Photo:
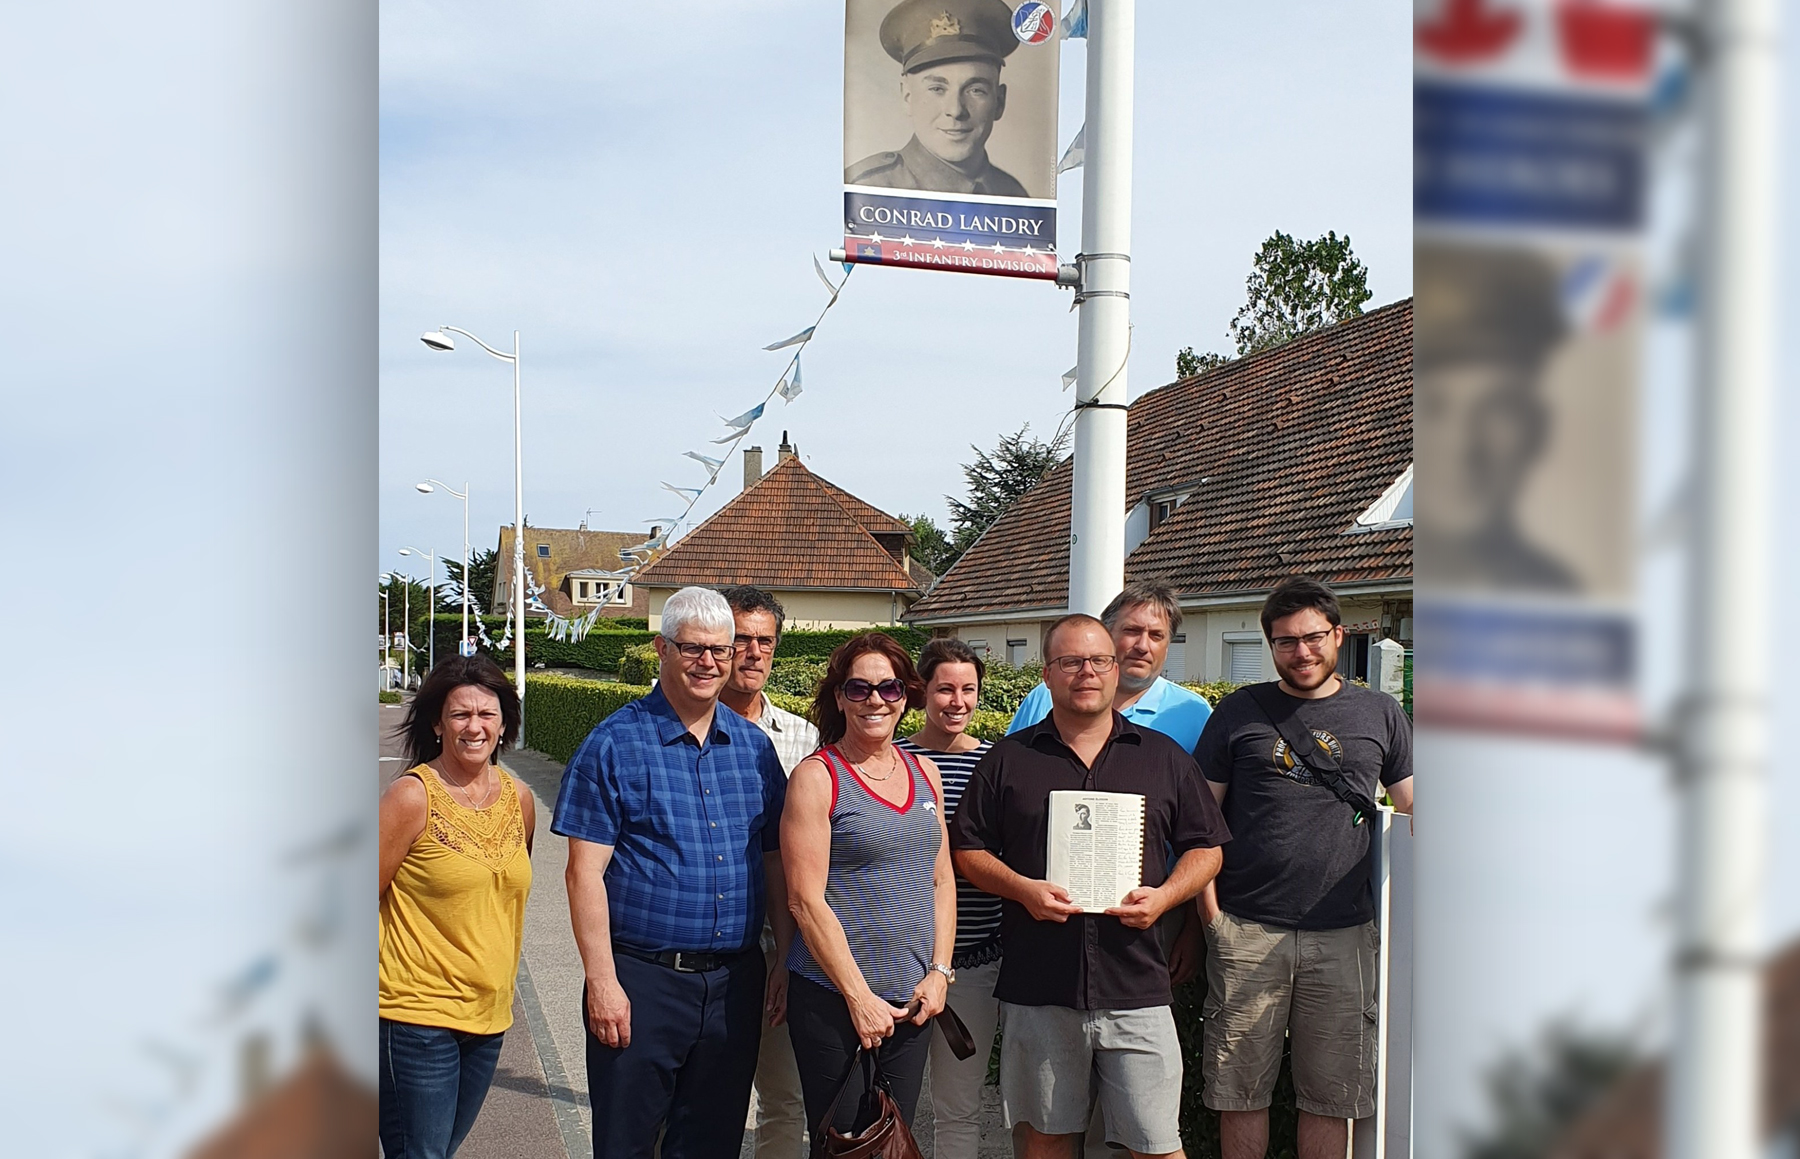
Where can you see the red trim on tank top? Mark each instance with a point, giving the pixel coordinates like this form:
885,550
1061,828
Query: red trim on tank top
911,788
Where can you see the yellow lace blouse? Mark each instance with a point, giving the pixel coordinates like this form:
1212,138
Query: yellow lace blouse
453,919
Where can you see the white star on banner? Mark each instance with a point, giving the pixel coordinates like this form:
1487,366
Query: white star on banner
968,246
876,238
1029,251
937,243
906,241
998,248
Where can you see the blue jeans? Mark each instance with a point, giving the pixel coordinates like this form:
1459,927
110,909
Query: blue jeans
433,1082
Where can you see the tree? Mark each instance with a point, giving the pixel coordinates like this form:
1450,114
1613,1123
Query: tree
483,567
1538,1091
996,481
931,547
1294,287
1188,364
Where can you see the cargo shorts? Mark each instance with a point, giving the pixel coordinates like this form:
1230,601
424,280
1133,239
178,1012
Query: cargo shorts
1317,987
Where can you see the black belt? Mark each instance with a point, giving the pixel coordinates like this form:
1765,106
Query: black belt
682,961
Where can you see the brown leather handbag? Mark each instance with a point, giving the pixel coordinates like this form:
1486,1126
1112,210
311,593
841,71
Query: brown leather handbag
885,1137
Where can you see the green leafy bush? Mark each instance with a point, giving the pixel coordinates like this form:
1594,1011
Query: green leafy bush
389,695
638,664
795,675
1214,691
1005,686
561,710
820,643
798,705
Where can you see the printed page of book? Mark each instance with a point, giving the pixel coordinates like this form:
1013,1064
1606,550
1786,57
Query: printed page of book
1096,846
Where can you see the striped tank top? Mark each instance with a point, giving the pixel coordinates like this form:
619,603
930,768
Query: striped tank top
977,913
879,882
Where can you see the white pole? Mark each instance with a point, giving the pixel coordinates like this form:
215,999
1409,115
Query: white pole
431,620
1715,1080
465,580
1097,508
406,611
387,657
518,548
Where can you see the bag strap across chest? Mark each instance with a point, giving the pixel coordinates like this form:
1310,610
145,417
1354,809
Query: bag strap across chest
1284,713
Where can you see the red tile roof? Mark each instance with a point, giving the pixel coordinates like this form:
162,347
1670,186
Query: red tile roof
1279,452
791,529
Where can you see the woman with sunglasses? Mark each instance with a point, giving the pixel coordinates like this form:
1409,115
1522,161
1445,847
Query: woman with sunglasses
952,674
870,884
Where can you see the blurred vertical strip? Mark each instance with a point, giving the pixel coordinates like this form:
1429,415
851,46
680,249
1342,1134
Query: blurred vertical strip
1715,1086
188,460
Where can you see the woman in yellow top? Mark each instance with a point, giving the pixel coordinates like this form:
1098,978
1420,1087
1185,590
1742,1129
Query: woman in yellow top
455,871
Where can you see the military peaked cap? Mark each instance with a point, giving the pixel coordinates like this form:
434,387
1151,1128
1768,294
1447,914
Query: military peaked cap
922,32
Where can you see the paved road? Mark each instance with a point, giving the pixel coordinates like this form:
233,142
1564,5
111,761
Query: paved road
538,1108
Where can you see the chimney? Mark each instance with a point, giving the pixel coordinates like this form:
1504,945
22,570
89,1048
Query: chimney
752,465
786,450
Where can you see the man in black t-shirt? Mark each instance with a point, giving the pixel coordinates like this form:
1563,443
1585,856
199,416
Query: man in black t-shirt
1290,932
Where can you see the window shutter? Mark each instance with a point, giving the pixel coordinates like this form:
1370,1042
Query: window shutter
1243,661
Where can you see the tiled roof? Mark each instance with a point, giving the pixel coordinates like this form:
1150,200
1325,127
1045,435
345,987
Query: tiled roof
318,1112
571,549
790,529
1279,452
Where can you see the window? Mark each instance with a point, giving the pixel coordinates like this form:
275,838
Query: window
1015,653
621,598
1176,667
543,551
979,646
1243,661
581,590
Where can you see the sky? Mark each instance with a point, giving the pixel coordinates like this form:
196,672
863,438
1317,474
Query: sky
642,200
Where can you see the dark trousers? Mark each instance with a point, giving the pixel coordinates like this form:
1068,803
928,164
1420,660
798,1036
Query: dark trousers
432,1085
687,1072
824,1039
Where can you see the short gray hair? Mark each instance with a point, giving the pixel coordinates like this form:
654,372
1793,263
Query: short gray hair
701,607
1136,595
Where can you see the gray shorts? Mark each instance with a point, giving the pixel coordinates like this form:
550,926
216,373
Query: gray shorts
1056,1062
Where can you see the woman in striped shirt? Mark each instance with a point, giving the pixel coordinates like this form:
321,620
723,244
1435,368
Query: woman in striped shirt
870,884
952,673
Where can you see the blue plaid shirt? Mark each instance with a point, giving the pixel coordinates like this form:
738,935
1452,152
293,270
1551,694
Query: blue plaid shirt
688,823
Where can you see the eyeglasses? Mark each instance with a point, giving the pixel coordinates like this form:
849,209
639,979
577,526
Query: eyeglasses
719,652
858,689
1312,640
763,643
1072,664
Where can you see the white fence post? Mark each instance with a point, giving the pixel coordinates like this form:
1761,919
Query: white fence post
1387,1134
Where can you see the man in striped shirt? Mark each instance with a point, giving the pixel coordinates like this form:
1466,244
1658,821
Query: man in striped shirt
780,1110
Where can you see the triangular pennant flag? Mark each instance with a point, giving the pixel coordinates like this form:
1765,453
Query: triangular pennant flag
744,420
1069,378
820,270
1076,154
694,491
711,464
795,340
789,390
1074,21
733,437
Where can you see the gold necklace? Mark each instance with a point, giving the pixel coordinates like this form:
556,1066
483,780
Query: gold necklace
465,791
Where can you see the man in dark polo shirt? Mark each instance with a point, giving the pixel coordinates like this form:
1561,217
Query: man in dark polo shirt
1084,998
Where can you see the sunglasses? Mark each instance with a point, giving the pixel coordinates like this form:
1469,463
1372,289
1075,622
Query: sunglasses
857,689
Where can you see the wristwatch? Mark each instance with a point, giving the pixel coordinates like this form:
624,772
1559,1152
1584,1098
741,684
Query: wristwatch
948,973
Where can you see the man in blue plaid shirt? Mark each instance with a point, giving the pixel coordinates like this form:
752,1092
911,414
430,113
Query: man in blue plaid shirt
672,807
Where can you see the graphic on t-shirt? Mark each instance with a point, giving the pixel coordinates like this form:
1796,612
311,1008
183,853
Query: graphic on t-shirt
1292,769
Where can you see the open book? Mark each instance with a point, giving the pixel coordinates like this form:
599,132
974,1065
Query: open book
1096,846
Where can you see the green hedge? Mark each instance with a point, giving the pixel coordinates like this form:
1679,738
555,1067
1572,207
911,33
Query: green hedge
561,710
639,664
820,643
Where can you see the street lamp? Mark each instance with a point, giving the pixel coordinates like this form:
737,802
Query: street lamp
440,339
387,659
431,614
463,647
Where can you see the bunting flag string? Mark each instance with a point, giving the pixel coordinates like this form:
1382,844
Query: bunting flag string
1076,154
1075,20
787,387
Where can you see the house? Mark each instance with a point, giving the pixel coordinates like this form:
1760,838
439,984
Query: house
572,567
1295,459
318,1112
1627,1123
831,559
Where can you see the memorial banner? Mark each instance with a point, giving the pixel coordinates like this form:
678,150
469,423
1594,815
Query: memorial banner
1530,139
950,135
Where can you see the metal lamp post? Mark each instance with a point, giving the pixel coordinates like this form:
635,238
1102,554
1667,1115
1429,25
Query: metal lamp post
426,488
439,339
431,626
387,658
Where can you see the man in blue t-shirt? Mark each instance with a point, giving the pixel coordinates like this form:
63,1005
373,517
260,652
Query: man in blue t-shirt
1143,619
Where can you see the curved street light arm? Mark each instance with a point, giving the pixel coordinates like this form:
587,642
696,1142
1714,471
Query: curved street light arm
497,354
447,487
